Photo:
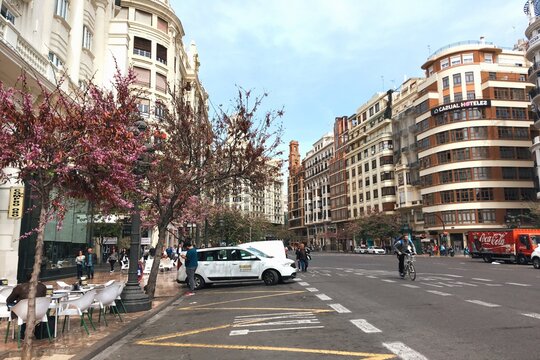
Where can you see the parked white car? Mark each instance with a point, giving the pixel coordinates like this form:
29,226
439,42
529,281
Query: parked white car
535,258
375,250
239,264
360,250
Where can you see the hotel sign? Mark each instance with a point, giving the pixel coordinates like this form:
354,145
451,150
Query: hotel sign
15,207
460,105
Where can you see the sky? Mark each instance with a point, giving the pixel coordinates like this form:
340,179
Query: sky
319,59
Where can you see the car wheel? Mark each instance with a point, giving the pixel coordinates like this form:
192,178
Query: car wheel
536,262
270,277
522,260
199,282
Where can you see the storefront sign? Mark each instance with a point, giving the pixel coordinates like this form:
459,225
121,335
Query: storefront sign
15,207
110,240
145,241
460,105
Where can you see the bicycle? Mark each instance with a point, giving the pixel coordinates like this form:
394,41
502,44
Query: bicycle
409,266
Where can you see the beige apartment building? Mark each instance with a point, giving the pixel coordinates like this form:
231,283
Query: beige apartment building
82,40
473,136
406,166
317,192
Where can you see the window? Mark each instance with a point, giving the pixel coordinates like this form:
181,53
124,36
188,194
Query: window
460,135
471,95
444,157
375,194
479,132
390,190
483,194
143,17
525,173
6,14
447,197
455,60
468,58
511,194
374,177
55,60
374,164
366,181
466,217
87,38
507,152
480,152
142,76
464,195
62,8
444,63
481,173
366,167
442,138
446,99
502,112
509,173
457,79
144,107
486,216
161,82
469,77
488,58
161,54
142,47
461,154
492,76
377,107
505,132
519,114
446,177
458,97
523,153
368,196
445,82
162,25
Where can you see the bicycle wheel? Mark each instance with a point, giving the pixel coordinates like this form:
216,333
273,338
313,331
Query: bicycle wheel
412,271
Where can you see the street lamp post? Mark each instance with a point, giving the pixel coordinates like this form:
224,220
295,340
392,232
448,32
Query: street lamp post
133,297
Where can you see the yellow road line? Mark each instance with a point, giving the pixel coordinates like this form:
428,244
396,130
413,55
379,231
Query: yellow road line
368,356
244,299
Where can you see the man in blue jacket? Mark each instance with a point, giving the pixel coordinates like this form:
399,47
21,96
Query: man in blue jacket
401,246
191,264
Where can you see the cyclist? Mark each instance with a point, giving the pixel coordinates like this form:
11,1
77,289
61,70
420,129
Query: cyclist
401,246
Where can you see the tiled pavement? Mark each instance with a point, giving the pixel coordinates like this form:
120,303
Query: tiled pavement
71,344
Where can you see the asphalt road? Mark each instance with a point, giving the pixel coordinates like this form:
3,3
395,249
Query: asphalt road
350,306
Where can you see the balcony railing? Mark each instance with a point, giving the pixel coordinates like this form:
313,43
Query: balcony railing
142,52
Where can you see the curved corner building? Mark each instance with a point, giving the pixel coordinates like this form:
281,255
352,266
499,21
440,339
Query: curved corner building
532,9
473,119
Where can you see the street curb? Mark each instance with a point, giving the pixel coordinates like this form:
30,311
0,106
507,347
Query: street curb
101,345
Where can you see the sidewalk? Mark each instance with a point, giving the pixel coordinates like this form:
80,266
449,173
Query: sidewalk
75,343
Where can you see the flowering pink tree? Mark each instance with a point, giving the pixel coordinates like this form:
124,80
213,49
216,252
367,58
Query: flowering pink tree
68,146
206,158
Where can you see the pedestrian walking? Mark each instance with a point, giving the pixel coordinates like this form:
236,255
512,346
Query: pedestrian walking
113,258
302,257
79,261
191,264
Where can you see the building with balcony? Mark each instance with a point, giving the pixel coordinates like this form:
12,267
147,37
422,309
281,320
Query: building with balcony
406,166
82,40
532,9
317,192
473,123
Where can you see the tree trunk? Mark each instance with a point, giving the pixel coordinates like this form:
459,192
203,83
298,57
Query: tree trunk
26,353
152,277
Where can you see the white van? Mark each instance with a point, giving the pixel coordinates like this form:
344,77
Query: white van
239,264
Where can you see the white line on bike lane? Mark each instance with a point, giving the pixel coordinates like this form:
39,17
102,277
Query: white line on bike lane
366,327
303,283
483,303
403,351
438,293
339,308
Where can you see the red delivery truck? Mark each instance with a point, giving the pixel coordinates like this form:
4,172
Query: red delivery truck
514,245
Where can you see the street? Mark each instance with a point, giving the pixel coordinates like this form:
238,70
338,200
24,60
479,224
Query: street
354,306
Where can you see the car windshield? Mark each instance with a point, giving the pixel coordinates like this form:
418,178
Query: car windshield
258,252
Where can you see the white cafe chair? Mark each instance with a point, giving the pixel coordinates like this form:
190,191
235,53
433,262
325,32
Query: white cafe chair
119,298
79,307
109,283
104,299
63,285
5,314
21,310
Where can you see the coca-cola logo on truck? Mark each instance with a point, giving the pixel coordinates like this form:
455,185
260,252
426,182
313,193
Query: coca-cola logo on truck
495,239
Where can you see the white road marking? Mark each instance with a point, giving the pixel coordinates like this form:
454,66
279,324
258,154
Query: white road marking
428,284
480,279
403,351
493,284
323,297
533,315
517,284
410,286
297,279
274,315
389,281
464,283
366,327
456,276
478,302
304,283
339,308
371,277
438,293
312,289
247,331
